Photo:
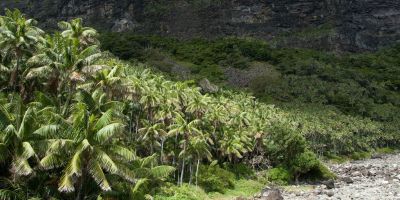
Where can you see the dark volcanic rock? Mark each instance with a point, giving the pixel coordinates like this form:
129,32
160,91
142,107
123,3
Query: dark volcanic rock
330,184
352,25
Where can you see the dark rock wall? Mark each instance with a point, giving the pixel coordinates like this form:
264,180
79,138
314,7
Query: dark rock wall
357,25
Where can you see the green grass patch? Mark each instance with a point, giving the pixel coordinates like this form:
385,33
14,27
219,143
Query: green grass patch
243,188
385,150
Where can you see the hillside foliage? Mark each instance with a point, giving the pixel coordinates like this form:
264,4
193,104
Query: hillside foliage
79,123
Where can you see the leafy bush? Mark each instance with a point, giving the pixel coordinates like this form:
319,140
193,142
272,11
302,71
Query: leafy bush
283,144
360,155
215,179
241,171
304,163
279,175
184,192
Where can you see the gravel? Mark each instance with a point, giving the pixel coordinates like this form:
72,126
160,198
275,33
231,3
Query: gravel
372,179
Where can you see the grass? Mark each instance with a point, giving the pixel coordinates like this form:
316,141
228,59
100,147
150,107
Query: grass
243,188
385,150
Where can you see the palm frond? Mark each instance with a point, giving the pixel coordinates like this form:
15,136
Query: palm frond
123,152
66,183
26,124
51,161
97,173
104,120
7,194
22,167
48,131
108,131
138,185
105,161
148,160
162,171
39,72
75,165
28,150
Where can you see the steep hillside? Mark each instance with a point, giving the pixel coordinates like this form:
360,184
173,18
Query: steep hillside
348,25
81,116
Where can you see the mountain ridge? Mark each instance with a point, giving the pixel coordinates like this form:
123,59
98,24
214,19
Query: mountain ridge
354,26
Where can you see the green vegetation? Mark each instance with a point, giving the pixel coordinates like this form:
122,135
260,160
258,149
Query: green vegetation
343,103
279,175
78,123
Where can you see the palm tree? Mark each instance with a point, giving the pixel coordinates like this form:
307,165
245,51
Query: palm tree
198,105
199,147
150,100
186,130
146,174
19,38
152,133
19,133
63,64
90,143
74,30
109,80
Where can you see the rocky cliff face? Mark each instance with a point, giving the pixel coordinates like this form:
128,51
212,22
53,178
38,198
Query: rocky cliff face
351,25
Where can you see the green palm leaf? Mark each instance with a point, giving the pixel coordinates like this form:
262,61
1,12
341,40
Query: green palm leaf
105,161
108,131
97,173
162,171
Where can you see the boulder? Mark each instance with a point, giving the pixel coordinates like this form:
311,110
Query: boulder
347,180
329,193
271,194
207,87
330,184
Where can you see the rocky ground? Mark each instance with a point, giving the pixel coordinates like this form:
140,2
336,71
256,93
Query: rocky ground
373,179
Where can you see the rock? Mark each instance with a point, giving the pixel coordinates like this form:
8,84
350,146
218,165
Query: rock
123,25
330,184
271,194
356,25
372,172
364,172
356,173
207,87
377,156
347,180
318,192
329,193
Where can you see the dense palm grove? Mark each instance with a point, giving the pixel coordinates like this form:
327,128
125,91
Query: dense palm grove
77,123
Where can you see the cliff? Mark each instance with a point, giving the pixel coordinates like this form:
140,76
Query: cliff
350,25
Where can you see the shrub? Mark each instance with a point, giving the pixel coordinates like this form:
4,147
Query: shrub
241,170
184,192
304,163
279,176
283,144
360,155
215,179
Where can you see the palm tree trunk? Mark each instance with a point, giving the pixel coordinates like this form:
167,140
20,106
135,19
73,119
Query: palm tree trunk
69,98
191,172
14,74
182,172
80,194
197,170
162,152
